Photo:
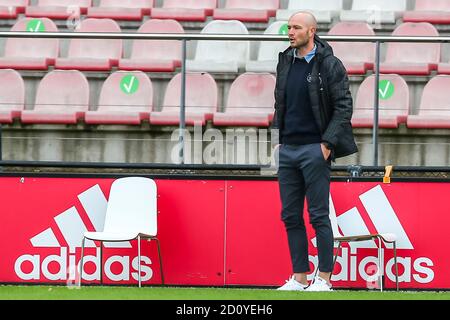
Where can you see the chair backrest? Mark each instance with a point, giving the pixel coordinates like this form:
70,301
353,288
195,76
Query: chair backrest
268,50
158,49
66,3
33,48
324,5
414,52
132,206
12,90
63,90
224,50
379,5
126,90
436,97
353,51
191,4
127,3
201,93
253,4
432,5
252,92
14,3
96,48
393,95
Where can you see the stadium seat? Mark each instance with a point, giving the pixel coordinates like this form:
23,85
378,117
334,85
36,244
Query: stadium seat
62,97
250,101
12,95
185,10
121,9
131,214
9,9
31,54
58,9
155,55
374,11
201,100
93,54
412,58
434,109
247,10
432,11
393,102
221,56
268,50
323,10
358,57
125,98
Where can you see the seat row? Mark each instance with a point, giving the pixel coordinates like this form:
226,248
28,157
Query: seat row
376,11
211,56
127,98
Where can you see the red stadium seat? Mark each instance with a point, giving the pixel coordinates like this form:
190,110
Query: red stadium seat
121,9
432,11
9,9
250,101
58,9
358,57
412,58
93,54
12,95
201,100
434,110
31,54
155,55
393,102
125,98
247,10
185,10
62,97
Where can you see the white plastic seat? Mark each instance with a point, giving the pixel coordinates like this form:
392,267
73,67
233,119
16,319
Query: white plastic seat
221,56
268,50
386,238
131,214
58,9
9,9
374,11
323,10
432,11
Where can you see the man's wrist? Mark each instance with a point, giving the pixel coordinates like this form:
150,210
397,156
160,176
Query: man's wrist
328,145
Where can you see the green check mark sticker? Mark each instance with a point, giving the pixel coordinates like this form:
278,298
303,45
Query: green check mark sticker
35,25
386,89
283,30
129,84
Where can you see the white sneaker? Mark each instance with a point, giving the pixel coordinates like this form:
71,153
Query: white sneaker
319,284
292,285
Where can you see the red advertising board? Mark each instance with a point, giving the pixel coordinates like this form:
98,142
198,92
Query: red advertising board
216,232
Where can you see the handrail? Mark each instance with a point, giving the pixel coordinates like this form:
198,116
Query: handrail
198,36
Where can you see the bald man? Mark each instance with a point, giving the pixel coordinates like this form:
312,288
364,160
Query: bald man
313,109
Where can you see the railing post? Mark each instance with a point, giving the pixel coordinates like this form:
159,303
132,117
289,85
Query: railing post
376,105
182,100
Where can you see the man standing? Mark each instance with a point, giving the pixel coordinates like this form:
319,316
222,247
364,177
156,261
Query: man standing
313,109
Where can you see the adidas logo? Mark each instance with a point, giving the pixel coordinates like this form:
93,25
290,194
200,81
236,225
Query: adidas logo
72,226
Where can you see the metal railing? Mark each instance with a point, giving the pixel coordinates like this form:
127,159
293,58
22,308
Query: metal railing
229,37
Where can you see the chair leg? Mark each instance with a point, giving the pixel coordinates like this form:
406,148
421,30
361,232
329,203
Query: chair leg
396,265
380,264
81,261
335,258
139,260
101,262
160,261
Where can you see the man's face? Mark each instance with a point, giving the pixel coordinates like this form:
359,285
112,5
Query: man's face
299,32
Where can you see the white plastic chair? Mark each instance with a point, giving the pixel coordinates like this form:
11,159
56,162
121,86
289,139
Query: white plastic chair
381,237
131,214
